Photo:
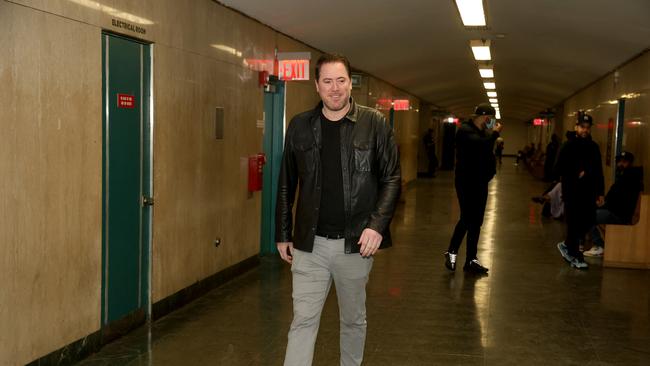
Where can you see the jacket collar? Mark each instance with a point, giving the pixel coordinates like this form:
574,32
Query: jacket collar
572,135
470,123
352,115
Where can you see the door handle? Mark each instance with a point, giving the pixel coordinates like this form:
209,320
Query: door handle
146,201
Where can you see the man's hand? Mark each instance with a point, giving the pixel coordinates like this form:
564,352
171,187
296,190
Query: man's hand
600,201
369,241
498,127
286,251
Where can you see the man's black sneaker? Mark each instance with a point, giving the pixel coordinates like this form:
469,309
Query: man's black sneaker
474,266
579,263
450,261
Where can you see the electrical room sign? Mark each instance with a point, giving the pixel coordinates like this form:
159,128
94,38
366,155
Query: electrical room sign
125,101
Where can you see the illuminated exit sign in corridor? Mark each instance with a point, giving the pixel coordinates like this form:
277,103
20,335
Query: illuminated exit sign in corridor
293,65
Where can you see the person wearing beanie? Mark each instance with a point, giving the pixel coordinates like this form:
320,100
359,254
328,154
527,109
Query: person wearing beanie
475,167
620,202
579,166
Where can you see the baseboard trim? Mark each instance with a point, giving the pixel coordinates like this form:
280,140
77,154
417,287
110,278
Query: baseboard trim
84,347
200,288
71,353
123,326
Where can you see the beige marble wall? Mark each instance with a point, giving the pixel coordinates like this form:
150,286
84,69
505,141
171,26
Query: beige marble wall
50,191
360,93
631,81
200,183
406,124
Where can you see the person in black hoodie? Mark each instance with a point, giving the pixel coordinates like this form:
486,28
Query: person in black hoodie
549,162
620,202
475,167
580,169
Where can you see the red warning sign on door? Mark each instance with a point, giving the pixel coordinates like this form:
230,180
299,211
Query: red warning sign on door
125,101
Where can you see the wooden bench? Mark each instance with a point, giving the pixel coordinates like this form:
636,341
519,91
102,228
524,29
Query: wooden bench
628,246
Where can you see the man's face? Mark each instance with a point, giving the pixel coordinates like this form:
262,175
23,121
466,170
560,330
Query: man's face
622,164
583,130
334,86
482,121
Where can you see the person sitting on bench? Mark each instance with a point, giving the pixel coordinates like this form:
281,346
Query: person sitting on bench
620,202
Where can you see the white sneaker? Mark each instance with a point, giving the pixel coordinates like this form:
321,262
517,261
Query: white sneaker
595,251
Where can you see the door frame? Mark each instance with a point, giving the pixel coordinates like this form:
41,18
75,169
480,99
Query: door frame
273,145
146,176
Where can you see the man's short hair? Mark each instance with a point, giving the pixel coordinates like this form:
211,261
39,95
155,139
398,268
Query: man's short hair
329,58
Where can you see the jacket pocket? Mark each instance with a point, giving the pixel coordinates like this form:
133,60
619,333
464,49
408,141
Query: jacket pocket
362,157
305,157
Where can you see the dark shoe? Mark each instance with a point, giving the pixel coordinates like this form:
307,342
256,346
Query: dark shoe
579,263
474,266
450,261
564,251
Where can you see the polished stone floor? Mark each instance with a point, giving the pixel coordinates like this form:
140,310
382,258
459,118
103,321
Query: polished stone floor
532,309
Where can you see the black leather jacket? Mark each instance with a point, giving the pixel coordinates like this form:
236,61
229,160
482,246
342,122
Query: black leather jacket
371,177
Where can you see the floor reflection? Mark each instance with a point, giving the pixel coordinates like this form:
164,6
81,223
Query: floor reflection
532,309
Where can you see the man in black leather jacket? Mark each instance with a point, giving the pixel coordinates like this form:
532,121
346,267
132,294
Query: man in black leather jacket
475,167
579,166
344,159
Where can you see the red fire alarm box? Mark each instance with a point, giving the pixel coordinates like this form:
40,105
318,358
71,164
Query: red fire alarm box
255,168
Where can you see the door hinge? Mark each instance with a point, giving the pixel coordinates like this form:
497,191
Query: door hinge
146,201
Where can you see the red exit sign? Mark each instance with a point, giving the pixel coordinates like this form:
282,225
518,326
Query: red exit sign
401,104
293,69
293,65
539,122
125,101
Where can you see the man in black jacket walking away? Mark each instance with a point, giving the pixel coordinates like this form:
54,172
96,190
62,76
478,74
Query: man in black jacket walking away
475,167
579,166
344,159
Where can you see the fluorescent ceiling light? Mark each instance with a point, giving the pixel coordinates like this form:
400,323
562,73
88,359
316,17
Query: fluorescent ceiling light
227,49
481,49
490,85
492,94
630,95
471,12
495,105
486,73
494,100
498,114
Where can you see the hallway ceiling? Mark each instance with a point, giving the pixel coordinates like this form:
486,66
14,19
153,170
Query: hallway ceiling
550,49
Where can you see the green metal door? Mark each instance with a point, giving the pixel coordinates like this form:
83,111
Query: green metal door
273,146
126,179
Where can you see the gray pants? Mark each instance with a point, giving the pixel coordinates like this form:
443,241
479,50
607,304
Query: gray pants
312,277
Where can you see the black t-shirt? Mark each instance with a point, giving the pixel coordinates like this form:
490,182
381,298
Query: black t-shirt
331,219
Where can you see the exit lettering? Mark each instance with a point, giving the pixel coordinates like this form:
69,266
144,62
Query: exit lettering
293,70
